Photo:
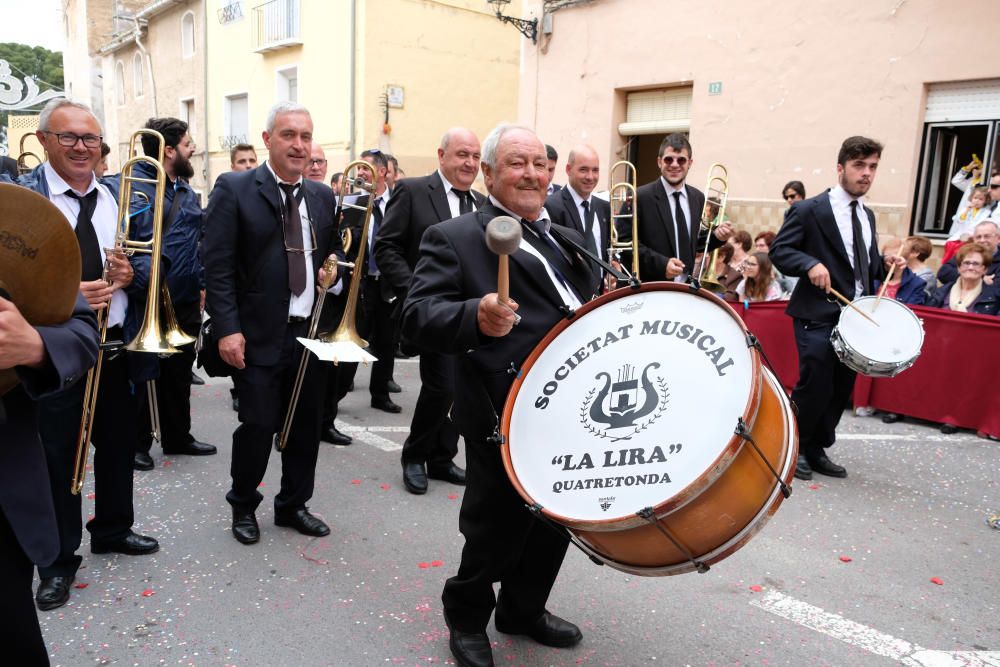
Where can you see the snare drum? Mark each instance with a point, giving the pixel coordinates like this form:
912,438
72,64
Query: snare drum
885,350
647,426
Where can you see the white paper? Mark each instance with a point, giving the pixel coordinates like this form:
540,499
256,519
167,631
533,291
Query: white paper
337,352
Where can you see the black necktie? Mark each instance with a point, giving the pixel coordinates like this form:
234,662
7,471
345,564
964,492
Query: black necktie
551,251
683,237
91,255
860,250
588,232
293,239
464,201
376,223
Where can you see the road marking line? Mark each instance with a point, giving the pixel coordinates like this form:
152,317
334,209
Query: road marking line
349,428
369,438
871,640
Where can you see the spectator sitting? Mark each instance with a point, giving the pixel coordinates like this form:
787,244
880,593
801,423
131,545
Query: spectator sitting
987,233
970,293
793,191
758,282
916,249
906,288
741,242
763,244
728,277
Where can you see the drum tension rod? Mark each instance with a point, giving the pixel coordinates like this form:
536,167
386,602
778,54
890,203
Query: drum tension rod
496,439
536,511
744,432
567,312
514,370
649,515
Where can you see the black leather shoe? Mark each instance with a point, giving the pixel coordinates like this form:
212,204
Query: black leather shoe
825,466
393,387
53,592
335,437
142,461
130,545
802,469
303,521
452,474
891,418
196,379
948,429
386,405
415,478
350,387
471,649
549,630
193,448
245,528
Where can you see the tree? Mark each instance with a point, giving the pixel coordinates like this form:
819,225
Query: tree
36,61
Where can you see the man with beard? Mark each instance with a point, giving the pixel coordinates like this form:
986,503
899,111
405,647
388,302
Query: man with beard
831,241
182,273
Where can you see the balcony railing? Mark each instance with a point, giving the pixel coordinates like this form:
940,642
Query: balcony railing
276,25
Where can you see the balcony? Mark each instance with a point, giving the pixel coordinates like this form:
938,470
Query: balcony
276,25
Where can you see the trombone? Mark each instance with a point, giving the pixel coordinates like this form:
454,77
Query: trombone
623,201
712,215
346,331
151,336
23,156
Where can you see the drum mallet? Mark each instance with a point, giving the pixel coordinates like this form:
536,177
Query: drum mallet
503,236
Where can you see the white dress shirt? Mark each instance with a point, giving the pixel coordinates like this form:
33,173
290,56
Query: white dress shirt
105,221
565,293
840,201
454,202
300,305
596,231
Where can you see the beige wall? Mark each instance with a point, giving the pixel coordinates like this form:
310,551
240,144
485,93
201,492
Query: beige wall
796,81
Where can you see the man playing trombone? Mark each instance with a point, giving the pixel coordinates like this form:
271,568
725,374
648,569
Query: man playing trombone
71,136
267,233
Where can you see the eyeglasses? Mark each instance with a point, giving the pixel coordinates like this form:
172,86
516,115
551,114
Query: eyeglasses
68,139
971,264
994,186
303,251
316,163
791,195
670,159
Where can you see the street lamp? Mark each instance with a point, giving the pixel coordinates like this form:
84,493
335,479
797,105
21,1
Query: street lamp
527,28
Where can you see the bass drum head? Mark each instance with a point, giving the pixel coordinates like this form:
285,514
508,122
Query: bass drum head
632,404
896,340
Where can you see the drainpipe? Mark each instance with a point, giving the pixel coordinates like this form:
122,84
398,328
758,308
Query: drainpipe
206,170
149,63
354,65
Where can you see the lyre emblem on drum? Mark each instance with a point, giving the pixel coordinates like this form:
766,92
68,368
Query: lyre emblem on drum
622,403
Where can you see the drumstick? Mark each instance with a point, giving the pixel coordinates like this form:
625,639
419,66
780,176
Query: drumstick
851,305
503,236
885,285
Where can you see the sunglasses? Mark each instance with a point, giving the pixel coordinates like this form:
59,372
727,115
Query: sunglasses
994,186
670,159
791,195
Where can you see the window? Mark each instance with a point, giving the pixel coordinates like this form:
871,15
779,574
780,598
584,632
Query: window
187,114
237,114
287,85
137,74
120,82
187,35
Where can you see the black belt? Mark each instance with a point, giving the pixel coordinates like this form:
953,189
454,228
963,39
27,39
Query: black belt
295,319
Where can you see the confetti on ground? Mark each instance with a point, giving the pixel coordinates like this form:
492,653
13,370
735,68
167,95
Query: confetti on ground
452,496
355,481
423,566
386,487
937,580
80,585
846,559
756,588
91,496
437,563
814,486
147,593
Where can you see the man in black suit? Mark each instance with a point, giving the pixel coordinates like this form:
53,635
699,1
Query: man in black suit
268,232
452,308
46,360
831,240
553,159
416,204
670,233
8,166
574,207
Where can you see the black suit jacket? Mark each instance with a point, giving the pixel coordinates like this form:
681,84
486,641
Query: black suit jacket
563,211
8,165
71,349
656,228
415,205
454,272
246,266
810,236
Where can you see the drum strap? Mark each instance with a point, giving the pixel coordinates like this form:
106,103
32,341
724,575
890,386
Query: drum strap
744,432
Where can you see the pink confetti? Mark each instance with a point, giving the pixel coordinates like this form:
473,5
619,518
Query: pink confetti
452,496
355,481
813,487
80,585
846,559
756,588
437,563
423,566
167,463
937,580
386,487
261,485
147,593
91,496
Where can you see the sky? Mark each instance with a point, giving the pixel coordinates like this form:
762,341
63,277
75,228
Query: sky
32,22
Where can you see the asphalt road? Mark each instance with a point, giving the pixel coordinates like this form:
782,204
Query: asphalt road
894,565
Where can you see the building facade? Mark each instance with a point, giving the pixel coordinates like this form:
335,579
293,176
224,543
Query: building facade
771,92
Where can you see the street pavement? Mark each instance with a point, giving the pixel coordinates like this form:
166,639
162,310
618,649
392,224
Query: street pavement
893,565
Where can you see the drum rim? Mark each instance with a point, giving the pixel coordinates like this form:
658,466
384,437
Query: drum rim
700,483
876,367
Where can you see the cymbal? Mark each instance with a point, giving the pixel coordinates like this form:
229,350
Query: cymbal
39,261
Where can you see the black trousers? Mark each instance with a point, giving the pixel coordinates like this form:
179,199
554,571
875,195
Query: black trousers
114,438
20,634
823,390
433,437
503,542
264,397
173,389
338,378
377,326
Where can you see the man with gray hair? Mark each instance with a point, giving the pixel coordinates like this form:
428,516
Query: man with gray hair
452,308
71,136
261,279
987,233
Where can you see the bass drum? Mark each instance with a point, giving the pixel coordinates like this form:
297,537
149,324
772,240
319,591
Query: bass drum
647,427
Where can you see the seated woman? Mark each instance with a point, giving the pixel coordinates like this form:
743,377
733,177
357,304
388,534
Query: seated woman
762,243
728,277
906,287
915,251
969,294
758,282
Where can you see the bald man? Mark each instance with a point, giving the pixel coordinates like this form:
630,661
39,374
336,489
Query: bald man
574,207
316,165
416,204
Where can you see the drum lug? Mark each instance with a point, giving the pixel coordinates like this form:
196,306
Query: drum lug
744,432
497,439
514,370
567,312
752,341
